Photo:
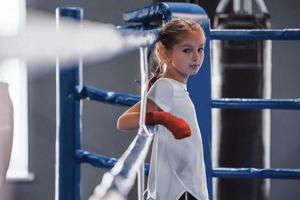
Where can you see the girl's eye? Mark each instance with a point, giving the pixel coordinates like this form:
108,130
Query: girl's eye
186,50
200,50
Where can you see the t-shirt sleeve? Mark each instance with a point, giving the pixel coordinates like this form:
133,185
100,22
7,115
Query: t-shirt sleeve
161,93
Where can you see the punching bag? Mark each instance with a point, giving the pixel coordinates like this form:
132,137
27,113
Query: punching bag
6,130
242,70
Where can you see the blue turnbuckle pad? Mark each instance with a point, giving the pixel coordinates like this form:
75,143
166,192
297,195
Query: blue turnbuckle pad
163,12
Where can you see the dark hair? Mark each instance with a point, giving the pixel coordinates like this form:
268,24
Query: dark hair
170,34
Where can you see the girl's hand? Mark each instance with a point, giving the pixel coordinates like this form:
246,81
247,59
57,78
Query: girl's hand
178,127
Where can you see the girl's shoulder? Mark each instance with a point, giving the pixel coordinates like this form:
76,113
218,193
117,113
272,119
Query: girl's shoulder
162,87
164,82
172,83
162,93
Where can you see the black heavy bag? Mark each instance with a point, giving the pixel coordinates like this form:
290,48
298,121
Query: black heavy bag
242,69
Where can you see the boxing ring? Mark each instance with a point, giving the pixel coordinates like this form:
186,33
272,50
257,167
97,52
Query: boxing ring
71,93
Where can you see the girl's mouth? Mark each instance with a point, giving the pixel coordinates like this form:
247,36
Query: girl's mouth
194,66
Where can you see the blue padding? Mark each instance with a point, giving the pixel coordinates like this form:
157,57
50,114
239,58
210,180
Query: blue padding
123,99
255,34
237,103
100,161
157,11
256,173
161,12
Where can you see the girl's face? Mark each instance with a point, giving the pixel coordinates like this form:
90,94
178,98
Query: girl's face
186,57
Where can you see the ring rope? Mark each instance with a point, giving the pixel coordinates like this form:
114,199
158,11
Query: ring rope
100,95
126,99
105,162
241,103
255,34
255,173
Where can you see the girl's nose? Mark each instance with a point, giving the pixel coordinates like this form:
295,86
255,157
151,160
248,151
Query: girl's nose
196,56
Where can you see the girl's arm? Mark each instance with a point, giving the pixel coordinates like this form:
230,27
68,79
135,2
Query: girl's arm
129,120
177,126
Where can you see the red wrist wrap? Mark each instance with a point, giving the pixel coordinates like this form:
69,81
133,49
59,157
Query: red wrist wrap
177,126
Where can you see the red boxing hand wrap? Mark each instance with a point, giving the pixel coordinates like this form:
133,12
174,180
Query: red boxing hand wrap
178,127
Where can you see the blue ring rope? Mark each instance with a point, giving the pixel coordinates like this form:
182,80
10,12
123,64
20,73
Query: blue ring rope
255,34
105,162
239,103
100,95
256,173
100,161
125,99
95,160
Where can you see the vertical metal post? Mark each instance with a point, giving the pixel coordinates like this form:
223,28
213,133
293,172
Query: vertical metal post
68,111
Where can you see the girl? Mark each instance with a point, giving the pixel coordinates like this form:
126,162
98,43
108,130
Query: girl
177,170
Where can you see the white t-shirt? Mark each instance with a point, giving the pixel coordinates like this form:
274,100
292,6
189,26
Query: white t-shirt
176,165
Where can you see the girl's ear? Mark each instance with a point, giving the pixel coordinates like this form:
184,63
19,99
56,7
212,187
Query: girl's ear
163,53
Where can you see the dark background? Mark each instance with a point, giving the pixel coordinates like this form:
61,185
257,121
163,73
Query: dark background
99,121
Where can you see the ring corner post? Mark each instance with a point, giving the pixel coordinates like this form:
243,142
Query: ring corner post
200,88
68,117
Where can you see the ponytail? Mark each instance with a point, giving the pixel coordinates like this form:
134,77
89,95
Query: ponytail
157,75
158,65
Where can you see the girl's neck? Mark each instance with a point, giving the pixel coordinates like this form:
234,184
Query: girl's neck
175,75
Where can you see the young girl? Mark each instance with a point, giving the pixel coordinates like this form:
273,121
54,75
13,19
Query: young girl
177,170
